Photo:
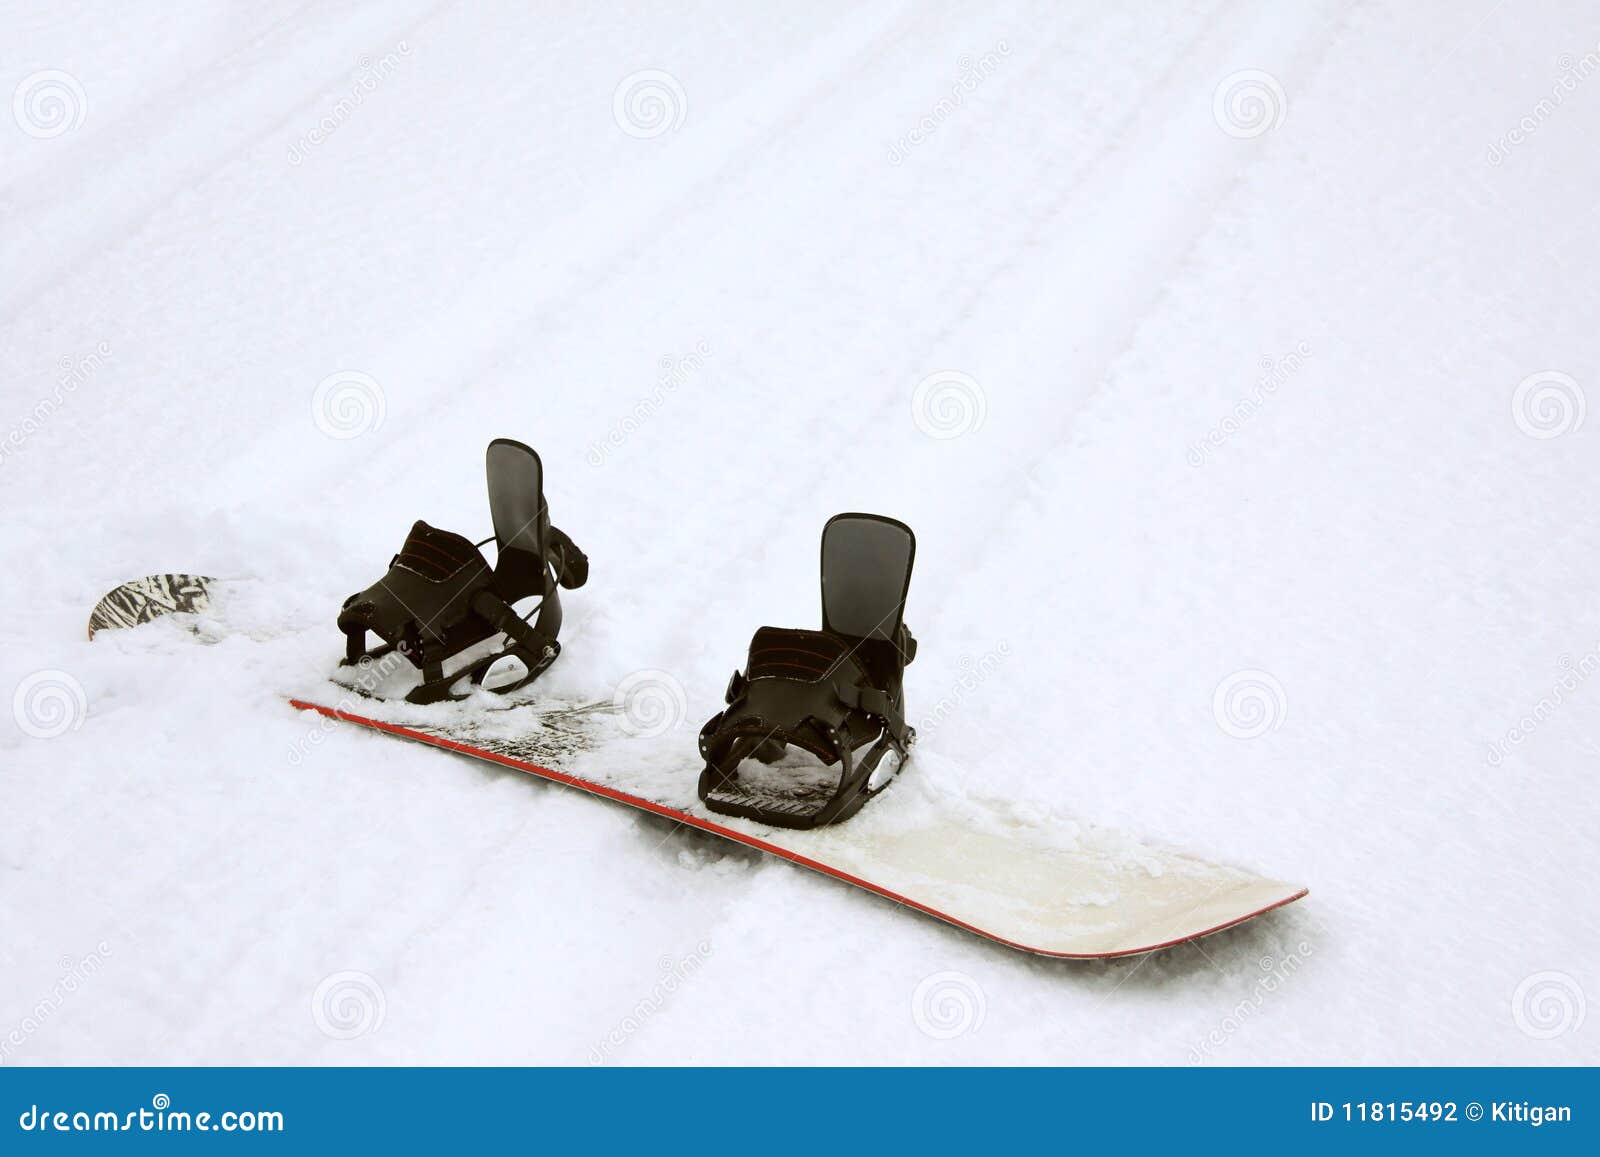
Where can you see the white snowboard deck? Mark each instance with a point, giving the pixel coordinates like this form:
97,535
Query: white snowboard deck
1051,887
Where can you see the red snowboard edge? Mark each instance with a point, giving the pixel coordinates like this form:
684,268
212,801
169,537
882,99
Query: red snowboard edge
753,841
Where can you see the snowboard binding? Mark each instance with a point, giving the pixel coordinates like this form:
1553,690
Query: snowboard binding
834,694
441,601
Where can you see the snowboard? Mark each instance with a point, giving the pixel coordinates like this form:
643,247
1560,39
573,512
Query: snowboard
1054,888
151,597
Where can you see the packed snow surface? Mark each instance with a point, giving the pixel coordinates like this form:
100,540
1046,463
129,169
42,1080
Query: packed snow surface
1232,363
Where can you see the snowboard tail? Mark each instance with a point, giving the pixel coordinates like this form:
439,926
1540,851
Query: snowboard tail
1092,896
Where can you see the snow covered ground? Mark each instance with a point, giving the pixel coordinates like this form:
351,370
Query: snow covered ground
1231,362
